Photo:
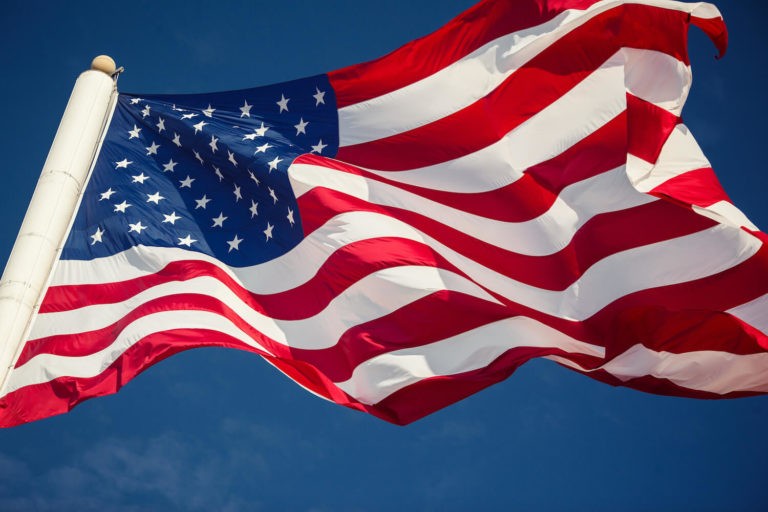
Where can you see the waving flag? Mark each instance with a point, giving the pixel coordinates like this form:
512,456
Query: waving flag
400,234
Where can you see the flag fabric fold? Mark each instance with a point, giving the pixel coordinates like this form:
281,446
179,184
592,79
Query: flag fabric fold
397,235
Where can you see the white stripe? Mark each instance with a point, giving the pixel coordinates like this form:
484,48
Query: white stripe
665,263
376,295
702,370
703,10
726,213
46,367
596,100
284,273
464,82
669,262
453,87
679,155
546,234
588,107
379,377
657,78
754,312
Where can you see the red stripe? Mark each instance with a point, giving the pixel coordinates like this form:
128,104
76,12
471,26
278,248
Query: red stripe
649,128
538,84
600,151
467,32
716,31
699,187
429,395
606,148
603,235
343,267
532,194
90,342
685,309
440,315
61,395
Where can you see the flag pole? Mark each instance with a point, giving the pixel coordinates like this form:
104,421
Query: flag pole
52,207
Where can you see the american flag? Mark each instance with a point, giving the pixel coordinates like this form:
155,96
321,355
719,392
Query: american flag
400,234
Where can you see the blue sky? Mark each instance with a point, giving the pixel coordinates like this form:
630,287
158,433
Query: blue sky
222,430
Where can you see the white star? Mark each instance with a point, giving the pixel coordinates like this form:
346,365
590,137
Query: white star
254,178
254,209
154,198
217,172
257,132
152,150
122,206
261,131
107,194
202,202
272,195
245,110
268,231
145,112
137,227
209,111
199,158
141,178
170,165
263,148
319,147
187,240
219,221
123,164
234,244
134,101
187,116
96,237
319,97
231,158
283,103
177,139
273,164
187,182
160,125
301,127
213,145
134,133
290,216
177,109
172,218
199,126
238,195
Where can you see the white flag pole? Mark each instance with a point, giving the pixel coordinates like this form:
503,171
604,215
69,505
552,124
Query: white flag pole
52,207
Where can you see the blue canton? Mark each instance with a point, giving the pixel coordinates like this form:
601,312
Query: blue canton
204,172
